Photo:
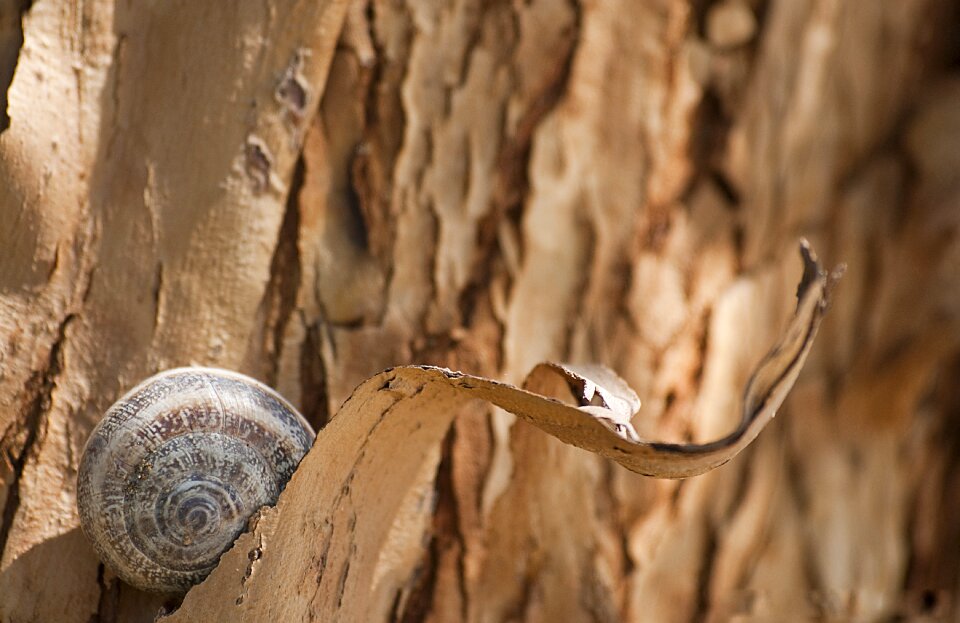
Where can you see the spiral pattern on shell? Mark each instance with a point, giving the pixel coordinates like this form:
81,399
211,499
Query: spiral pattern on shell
173,472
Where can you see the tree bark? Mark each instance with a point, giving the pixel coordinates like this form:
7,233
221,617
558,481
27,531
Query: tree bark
311,192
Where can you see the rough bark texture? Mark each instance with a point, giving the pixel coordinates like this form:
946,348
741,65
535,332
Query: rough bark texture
310,192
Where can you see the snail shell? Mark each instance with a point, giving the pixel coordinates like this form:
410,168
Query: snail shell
173,472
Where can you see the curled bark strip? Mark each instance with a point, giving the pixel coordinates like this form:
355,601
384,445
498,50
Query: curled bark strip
339,539
601,420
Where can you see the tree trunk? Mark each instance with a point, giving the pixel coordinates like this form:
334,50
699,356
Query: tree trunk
311,192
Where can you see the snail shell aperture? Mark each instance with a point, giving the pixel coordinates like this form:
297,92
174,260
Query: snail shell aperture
173,472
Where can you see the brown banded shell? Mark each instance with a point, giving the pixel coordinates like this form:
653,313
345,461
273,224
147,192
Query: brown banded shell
173,472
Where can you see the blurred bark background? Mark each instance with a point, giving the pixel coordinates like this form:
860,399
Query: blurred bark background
312,191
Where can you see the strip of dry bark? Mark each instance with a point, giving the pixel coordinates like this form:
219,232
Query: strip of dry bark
342,537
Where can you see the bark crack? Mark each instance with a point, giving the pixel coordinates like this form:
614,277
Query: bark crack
44,381
513,167
447,535
254,556
314,395
710,549
11,39
280,296
109,598
157,297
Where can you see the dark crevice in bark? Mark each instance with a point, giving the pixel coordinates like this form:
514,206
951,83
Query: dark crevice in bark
357,224
579,314
595,600
446,537
286,264
698,10
655,228
314,397
371,172
726,188
109,598
11,42
42,384
706,574
513,165
344,576
455,537
761,12
678,488
740,488
703,348
430,209
609,506
280,297
157,296
527,588
795,478
707,148
473,36
797,490
414,606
